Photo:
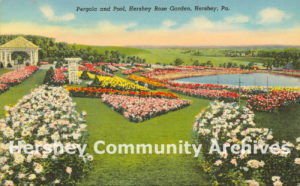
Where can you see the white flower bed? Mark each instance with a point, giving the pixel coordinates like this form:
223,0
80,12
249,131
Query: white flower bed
225,123
45,116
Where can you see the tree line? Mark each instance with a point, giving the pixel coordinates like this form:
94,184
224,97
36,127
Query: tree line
51,51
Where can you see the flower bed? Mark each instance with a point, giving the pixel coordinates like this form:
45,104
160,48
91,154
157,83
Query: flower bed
59,78
45,116
91,68
17,76
97,92
197,85
137,69
3,88
138,109
152,83
232,125
112,68
273,101
207,93
117,84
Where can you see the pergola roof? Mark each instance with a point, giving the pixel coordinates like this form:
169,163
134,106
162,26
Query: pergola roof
19,42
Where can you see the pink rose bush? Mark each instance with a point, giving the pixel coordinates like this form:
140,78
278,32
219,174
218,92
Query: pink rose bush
112,68
3,88
17,76
228,124
273,101
59,78
137,69
138,109
45,116
207,93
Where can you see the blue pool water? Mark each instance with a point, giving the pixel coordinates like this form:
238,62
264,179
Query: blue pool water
254,79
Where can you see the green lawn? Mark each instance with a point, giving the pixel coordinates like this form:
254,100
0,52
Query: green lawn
111,127
4,70
15,93
284,124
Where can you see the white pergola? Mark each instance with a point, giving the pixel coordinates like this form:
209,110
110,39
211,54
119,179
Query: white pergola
16,45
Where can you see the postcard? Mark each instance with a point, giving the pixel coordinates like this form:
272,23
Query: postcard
140,92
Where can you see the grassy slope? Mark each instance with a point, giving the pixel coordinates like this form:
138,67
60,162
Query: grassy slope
15,93
167,56
123,50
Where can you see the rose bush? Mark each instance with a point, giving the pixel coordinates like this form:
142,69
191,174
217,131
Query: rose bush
93,92
137,69
272,101
3,88
59,78
229,124
207,93
17,76
138,109
45,116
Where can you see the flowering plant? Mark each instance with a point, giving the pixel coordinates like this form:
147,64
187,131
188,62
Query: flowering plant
59,78
116,83
45,116
97,92
137,69
142,108
3,88
273,101
233,126
207,93
153,83
17,76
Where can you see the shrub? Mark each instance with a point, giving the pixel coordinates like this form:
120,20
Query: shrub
26,122
85,75
233,125
9,65
49,76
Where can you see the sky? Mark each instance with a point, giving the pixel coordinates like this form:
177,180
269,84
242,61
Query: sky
247,22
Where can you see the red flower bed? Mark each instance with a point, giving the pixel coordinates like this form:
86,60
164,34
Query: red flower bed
142,108
207,93
91,68
272,101
59,77
137,69
3,88
17,76
97,92
196,85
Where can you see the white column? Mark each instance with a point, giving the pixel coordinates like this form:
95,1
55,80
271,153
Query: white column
36,57
31,58
5,58
9,58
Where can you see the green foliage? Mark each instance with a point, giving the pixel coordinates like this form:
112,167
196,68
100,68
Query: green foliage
49,76
85,76
59,64
178,61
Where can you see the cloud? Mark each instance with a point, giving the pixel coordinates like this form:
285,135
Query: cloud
111,34
237,19
168,23
272,15
50,15
204,24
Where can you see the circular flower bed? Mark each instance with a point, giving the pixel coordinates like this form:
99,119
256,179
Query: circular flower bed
230,125
45,116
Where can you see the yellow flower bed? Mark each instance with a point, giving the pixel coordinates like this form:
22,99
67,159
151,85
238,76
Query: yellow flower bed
119,83
275,88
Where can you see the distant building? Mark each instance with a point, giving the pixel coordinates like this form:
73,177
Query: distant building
289,66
